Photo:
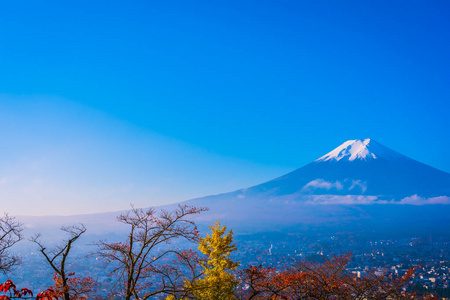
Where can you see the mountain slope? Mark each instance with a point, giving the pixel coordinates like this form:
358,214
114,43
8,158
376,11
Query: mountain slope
348,183
372,170
359,186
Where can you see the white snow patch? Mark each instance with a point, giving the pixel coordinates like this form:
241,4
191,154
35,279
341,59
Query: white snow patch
353,149
366,149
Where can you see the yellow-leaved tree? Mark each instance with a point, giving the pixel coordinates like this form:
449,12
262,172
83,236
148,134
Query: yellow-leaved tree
218,282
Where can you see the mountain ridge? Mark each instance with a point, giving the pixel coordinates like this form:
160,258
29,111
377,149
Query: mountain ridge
386,191
338,191
388,173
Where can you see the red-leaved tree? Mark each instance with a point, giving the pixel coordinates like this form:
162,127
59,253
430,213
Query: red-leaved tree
9,288
67,286
323,281
78,288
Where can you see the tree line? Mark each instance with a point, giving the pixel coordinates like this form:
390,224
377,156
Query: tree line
146,265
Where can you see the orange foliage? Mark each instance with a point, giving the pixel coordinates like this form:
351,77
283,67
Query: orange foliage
79,288
325,280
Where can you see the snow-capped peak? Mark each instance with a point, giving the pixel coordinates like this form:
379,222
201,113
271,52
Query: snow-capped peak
352,149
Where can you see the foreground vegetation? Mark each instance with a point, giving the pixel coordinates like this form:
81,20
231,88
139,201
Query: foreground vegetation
146,265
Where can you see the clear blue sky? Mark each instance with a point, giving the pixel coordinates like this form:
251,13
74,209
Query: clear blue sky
106,103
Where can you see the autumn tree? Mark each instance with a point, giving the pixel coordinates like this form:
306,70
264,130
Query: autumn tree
10,234
12,292
269,283
80,288
218,282
184,270
137,261
67,286
323,280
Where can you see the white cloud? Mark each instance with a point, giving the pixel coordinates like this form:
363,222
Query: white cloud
417,200
322,184
358,183
347,199
364,200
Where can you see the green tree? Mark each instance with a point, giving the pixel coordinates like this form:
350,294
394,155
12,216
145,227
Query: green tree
218,282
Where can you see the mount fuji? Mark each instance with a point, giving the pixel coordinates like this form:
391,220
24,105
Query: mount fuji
360,185
368,169
359,181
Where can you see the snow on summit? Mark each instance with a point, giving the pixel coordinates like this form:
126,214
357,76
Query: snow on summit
358,149
352,149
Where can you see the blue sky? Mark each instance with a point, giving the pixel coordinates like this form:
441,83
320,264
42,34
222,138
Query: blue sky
108,103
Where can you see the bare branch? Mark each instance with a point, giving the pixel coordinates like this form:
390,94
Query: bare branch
10,234
136,260
57,257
